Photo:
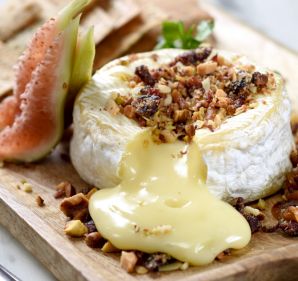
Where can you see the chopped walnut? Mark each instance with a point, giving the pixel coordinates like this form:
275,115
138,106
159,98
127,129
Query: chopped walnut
206,68
181,115
75,207
64,189
291,214
94,240
259,79
128,261
129,111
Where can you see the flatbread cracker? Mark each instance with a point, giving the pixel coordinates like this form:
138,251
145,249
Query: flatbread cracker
7,56
102,27
16,15
109,16
122,39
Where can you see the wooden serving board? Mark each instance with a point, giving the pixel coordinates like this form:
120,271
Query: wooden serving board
40,229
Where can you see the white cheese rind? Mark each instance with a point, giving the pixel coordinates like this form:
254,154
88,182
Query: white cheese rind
246,157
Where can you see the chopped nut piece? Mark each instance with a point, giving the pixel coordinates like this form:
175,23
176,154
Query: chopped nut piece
143,72
129,111
259,79
64,189
27,187
39,201
141,269
75,228
251,211
181,115
75,207
291,214
108,247
167,136
206,68
94,239
128,261
164,89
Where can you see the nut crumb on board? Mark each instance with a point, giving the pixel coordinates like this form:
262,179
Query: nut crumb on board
75,228
128,261
94,239
75,207
39,201
64,189
108,247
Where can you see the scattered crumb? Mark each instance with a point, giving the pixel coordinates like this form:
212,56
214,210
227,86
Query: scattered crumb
128,261
75,228
141,269
108,247
27,187
39,201
64,189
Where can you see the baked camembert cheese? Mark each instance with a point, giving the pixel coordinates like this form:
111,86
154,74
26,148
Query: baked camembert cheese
166,135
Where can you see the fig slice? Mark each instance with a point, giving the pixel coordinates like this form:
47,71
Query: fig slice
32,120
82,70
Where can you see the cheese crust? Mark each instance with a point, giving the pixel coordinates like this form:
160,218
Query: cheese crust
247,156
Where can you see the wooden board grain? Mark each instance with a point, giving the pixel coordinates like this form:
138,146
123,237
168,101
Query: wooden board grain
268,256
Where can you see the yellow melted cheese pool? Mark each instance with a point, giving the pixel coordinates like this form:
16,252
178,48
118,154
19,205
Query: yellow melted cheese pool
163,205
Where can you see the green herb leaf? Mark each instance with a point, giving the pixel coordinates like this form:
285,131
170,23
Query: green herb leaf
174,35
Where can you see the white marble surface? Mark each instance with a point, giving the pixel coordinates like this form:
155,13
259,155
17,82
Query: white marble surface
277,18
20,262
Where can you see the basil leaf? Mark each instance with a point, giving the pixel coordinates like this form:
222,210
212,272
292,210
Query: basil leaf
174,35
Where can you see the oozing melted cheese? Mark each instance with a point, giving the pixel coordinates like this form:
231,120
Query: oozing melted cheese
163,205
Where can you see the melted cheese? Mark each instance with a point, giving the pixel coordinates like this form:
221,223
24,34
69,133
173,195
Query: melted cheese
163,205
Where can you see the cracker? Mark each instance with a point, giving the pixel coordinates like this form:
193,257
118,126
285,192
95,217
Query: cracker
122,39
16,15
110,16
102,27
7,55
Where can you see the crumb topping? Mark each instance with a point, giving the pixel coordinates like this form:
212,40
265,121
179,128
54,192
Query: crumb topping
198,89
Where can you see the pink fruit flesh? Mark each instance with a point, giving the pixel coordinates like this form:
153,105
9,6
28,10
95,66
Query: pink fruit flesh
35,52
36,123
